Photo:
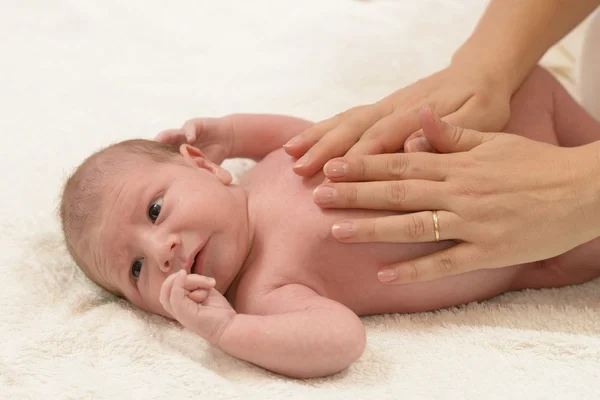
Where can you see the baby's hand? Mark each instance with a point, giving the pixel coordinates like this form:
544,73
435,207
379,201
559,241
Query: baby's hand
196,304
213,136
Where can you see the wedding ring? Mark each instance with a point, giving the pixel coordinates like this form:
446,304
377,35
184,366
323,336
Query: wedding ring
436,226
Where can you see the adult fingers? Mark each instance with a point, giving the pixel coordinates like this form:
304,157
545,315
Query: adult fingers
455,260
388,134
385,167
448,138
300,144
339,139
406,195
415,227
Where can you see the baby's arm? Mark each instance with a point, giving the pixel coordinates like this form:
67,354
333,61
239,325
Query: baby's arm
236,135
256,135
298,333
303,335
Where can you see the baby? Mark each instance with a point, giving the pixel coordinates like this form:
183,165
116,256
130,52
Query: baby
252,267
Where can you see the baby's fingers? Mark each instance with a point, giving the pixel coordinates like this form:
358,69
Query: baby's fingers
165,293
192,129
195,281
199,295
173,137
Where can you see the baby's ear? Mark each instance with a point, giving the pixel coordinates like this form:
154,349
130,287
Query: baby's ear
194,157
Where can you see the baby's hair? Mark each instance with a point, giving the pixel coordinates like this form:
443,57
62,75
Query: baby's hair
82,193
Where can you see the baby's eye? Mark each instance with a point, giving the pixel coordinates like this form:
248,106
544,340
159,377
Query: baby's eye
154,209
136,268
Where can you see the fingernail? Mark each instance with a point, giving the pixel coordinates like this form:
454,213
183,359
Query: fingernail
324,195
387,275
296,140
343,230
418,144
302,161
335,169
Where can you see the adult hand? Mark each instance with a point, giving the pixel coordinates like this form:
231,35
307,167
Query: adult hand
458,93
503,198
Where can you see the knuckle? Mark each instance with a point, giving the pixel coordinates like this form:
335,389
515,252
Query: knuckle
353,122
396,166
456,133
374,132
415,229
362,167
371,231
444,264
350,195
347,113
468,190
395,192
412,272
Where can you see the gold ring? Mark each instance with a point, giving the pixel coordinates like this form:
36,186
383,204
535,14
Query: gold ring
436,226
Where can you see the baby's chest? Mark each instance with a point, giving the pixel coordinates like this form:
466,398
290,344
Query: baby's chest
312,259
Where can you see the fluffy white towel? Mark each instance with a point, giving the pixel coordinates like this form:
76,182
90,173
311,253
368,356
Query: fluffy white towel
77,75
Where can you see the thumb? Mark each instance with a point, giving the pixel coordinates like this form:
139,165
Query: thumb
447,138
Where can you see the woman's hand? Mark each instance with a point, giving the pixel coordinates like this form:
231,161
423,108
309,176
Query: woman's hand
503,198
459,93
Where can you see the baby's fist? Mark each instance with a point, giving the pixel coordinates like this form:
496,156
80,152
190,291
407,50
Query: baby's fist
196,304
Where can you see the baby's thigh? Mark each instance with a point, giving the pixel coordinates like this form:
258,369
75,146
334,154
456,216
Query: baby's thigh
531,108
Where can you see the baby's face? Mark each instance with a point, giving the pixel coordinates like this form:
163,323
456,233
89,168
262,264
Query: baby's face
158,218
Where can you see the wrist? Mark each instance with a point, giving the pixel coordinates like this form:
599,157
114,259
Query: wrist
585,186
595,185
501,73
223,329
228,143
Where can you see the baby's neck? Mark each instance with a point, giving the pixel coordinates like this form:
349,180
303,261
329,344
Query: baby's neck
247,232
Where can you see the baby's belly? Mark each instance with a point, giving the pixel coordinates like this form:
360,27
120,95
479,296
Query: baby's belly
349,276
299,232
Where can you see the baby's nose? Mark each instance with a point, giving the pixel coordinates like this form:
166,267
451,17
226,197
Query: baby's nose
166,259
163,246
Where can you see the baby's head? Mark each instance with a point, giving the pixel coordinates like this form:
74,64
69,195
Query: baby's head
138,211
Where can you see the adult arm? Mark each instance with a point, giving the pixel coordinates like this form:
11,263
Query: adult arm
474,91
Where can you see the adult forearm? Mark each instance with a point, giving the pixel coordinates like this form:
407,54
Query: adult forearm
512,36
304,344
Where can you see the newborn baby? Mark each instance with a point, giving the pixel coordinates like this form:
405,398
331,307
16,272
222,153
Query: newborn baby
252,267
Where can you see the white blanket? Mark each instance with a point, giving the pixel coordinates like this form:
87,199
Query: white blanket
77,75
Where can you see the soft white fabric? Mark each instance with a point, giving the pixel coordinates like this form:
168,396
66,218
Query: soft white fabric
77,75
589,68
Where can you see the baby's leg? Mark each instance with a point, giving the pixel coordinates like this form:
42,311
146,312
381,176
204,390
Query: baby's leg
543,110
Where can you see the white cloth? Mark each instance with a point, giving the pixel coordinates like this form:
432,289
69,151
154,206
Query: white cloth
589,68
76,75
